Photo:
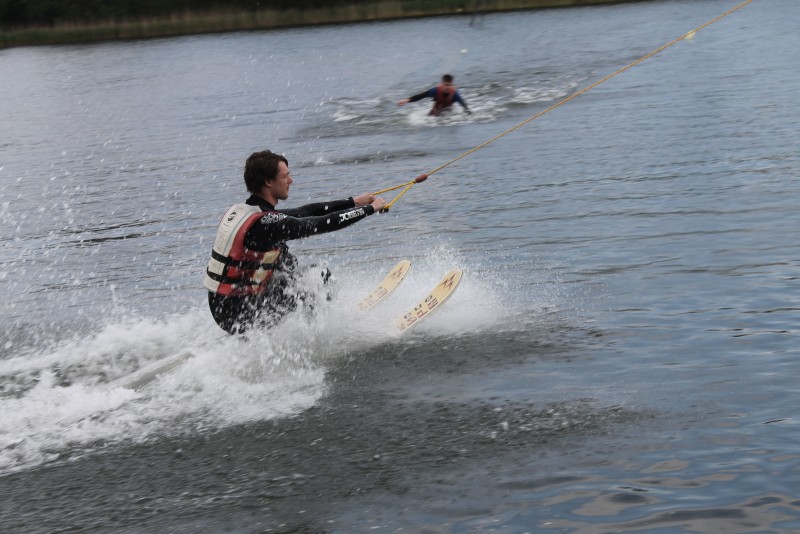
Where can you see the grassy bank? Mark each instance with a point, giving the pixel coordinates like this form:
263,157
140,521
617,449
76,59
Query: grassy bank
224,21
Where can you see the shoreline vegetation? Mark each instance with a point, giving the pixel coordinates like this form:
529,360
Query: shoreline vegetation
192,22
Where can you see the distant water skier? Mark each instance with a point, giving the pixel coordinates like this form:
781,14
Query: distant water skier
444,96
251,276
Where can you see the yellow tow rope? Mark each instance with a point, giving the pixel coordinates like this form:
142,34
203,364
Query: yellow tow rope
423,177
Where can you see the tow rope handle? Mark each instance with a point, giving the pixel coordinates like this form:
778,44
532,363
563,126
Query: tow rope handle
419,179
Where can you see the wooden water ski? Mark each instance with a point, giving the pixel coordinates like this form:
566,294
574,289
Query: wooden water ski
147,374
433,300
388,285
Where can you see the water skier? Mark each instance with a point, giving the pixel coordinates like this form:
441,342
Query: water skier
251,274
444,96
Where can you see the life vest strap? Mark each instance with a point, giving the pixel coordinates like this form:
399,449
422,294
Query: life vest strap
228,280
241,264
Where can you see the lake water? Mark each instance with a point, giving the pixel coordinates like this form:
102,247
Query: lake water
621,355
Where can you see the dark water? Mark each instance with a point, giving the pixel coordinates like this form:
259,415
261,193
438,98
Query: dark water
620,356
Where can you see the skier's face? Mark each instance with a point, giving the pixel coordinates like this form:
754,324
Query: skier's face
279,187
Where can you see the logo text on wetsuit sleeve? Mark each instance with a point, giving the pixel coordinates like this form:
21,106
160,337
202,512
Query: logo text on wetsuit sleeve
346,216
271,217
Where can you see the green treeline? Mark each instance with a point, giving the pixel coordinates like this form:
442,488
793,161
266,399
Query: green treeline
23,13
39,22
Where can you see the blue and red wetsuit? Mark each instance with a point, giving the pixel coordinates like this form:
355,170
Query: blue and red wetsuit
443,98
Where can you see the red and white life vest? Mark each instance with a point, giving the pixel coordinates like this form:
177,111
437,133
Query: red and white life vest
234,270
443,99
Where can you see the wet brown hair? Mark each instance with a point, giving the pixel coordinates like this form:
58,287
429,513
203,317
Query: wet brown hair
260,168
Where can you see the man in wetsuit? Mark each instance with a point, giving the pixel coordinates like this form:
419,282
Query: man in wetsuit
251,274
443,95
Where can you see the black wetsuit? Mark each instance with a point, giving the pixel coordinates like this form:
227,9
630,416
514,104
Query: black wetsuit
237,314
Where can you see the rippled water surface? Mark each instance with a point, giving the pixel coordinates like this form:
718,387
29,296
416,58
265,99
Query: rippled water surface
621,354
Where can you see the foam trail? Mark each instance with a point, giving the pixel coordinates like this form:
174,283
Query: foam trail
61,402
